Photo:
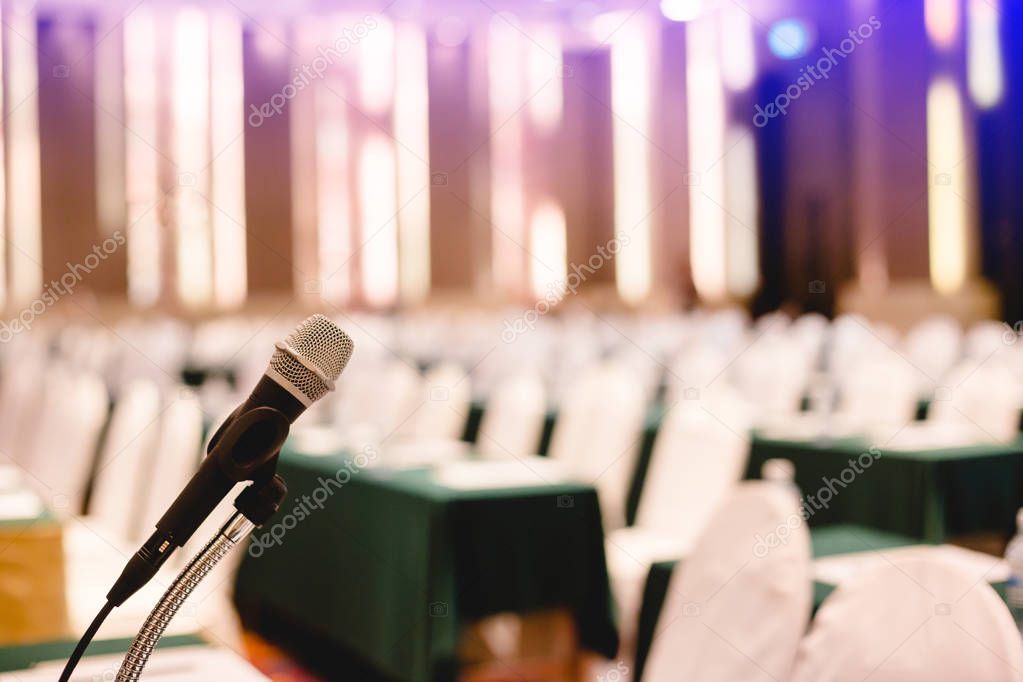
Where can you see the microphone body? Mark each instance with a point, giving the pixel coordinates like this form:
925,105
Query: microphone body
246,446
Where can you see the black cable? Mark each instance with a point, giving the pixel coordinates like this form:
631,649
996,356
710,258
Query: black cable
83,643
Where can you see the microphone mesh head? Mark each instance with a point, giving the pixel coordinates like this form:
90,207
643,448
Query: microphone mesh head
312,357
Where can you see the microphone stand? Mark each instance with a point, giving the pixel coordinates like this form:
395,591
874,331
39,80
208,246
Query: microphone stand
255,505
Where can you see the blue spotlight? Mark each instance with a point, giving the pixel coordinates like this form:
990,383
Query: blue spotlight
789,39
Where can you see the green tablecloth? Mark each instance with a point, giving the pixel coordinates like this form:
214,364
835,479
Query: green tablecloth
393,565
13,658
826,541
930,494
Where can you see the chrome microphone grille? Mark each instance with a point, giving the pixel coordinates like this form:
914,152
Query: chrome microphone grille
311,358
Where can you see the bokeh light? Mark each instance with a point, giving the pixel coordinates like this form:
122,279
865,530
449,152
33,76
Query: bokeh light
789,39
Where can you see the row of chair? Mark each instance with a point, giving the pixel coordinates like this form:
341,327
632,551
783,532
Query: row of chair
106,470
863,372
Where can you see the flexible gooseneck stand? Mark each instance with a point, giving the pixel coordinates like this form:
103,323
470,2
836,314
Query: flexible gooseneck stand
255,506
233,532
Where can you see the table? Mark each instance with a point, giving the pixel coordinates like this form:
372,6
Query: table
826,541
928,494
393,566
33,603
13,658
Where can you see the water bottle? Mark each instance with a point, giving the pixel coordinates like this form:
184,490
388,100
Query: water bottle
1014,557
782,472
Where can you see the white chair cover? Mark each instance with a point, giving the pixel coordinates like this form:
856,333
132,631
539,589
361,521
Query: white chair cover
983,399
373,405
774,322
73,413
809,331
934,346
988,338
738,606
597,434
917,619
125,461
878,389
646,368
726,329
853,341
573,352
21,392
153,350
444,405
177,456
694,369
696,462
528,354
773,375
513,420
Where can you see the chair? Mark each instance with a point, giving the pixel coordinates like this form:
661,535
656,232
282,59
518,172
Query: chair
514,417
726,329
934,346
597,435
878,389
698,366
21,392
444,399
984,400
176,457
809,332
126,457
988,338
912,619
696,462
375,400
154,350
774,322
645,367
854,341
72,414
574,351
431,432
773,375
738,606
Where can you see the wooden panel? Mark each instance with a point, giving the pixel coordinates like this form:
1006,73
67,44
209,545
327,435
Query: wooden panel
452,145
267,168
672,174
67,149
587,164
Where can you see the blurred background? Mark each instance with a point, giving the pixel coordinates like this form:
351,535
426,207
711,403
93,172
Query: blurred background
791,229
388,156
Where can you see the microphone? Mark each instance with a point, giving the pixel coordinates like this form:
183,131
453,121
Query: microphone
303,369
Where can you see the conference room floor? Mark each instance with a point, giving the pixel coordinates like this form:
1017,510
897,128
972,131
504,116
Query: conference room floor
273,662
